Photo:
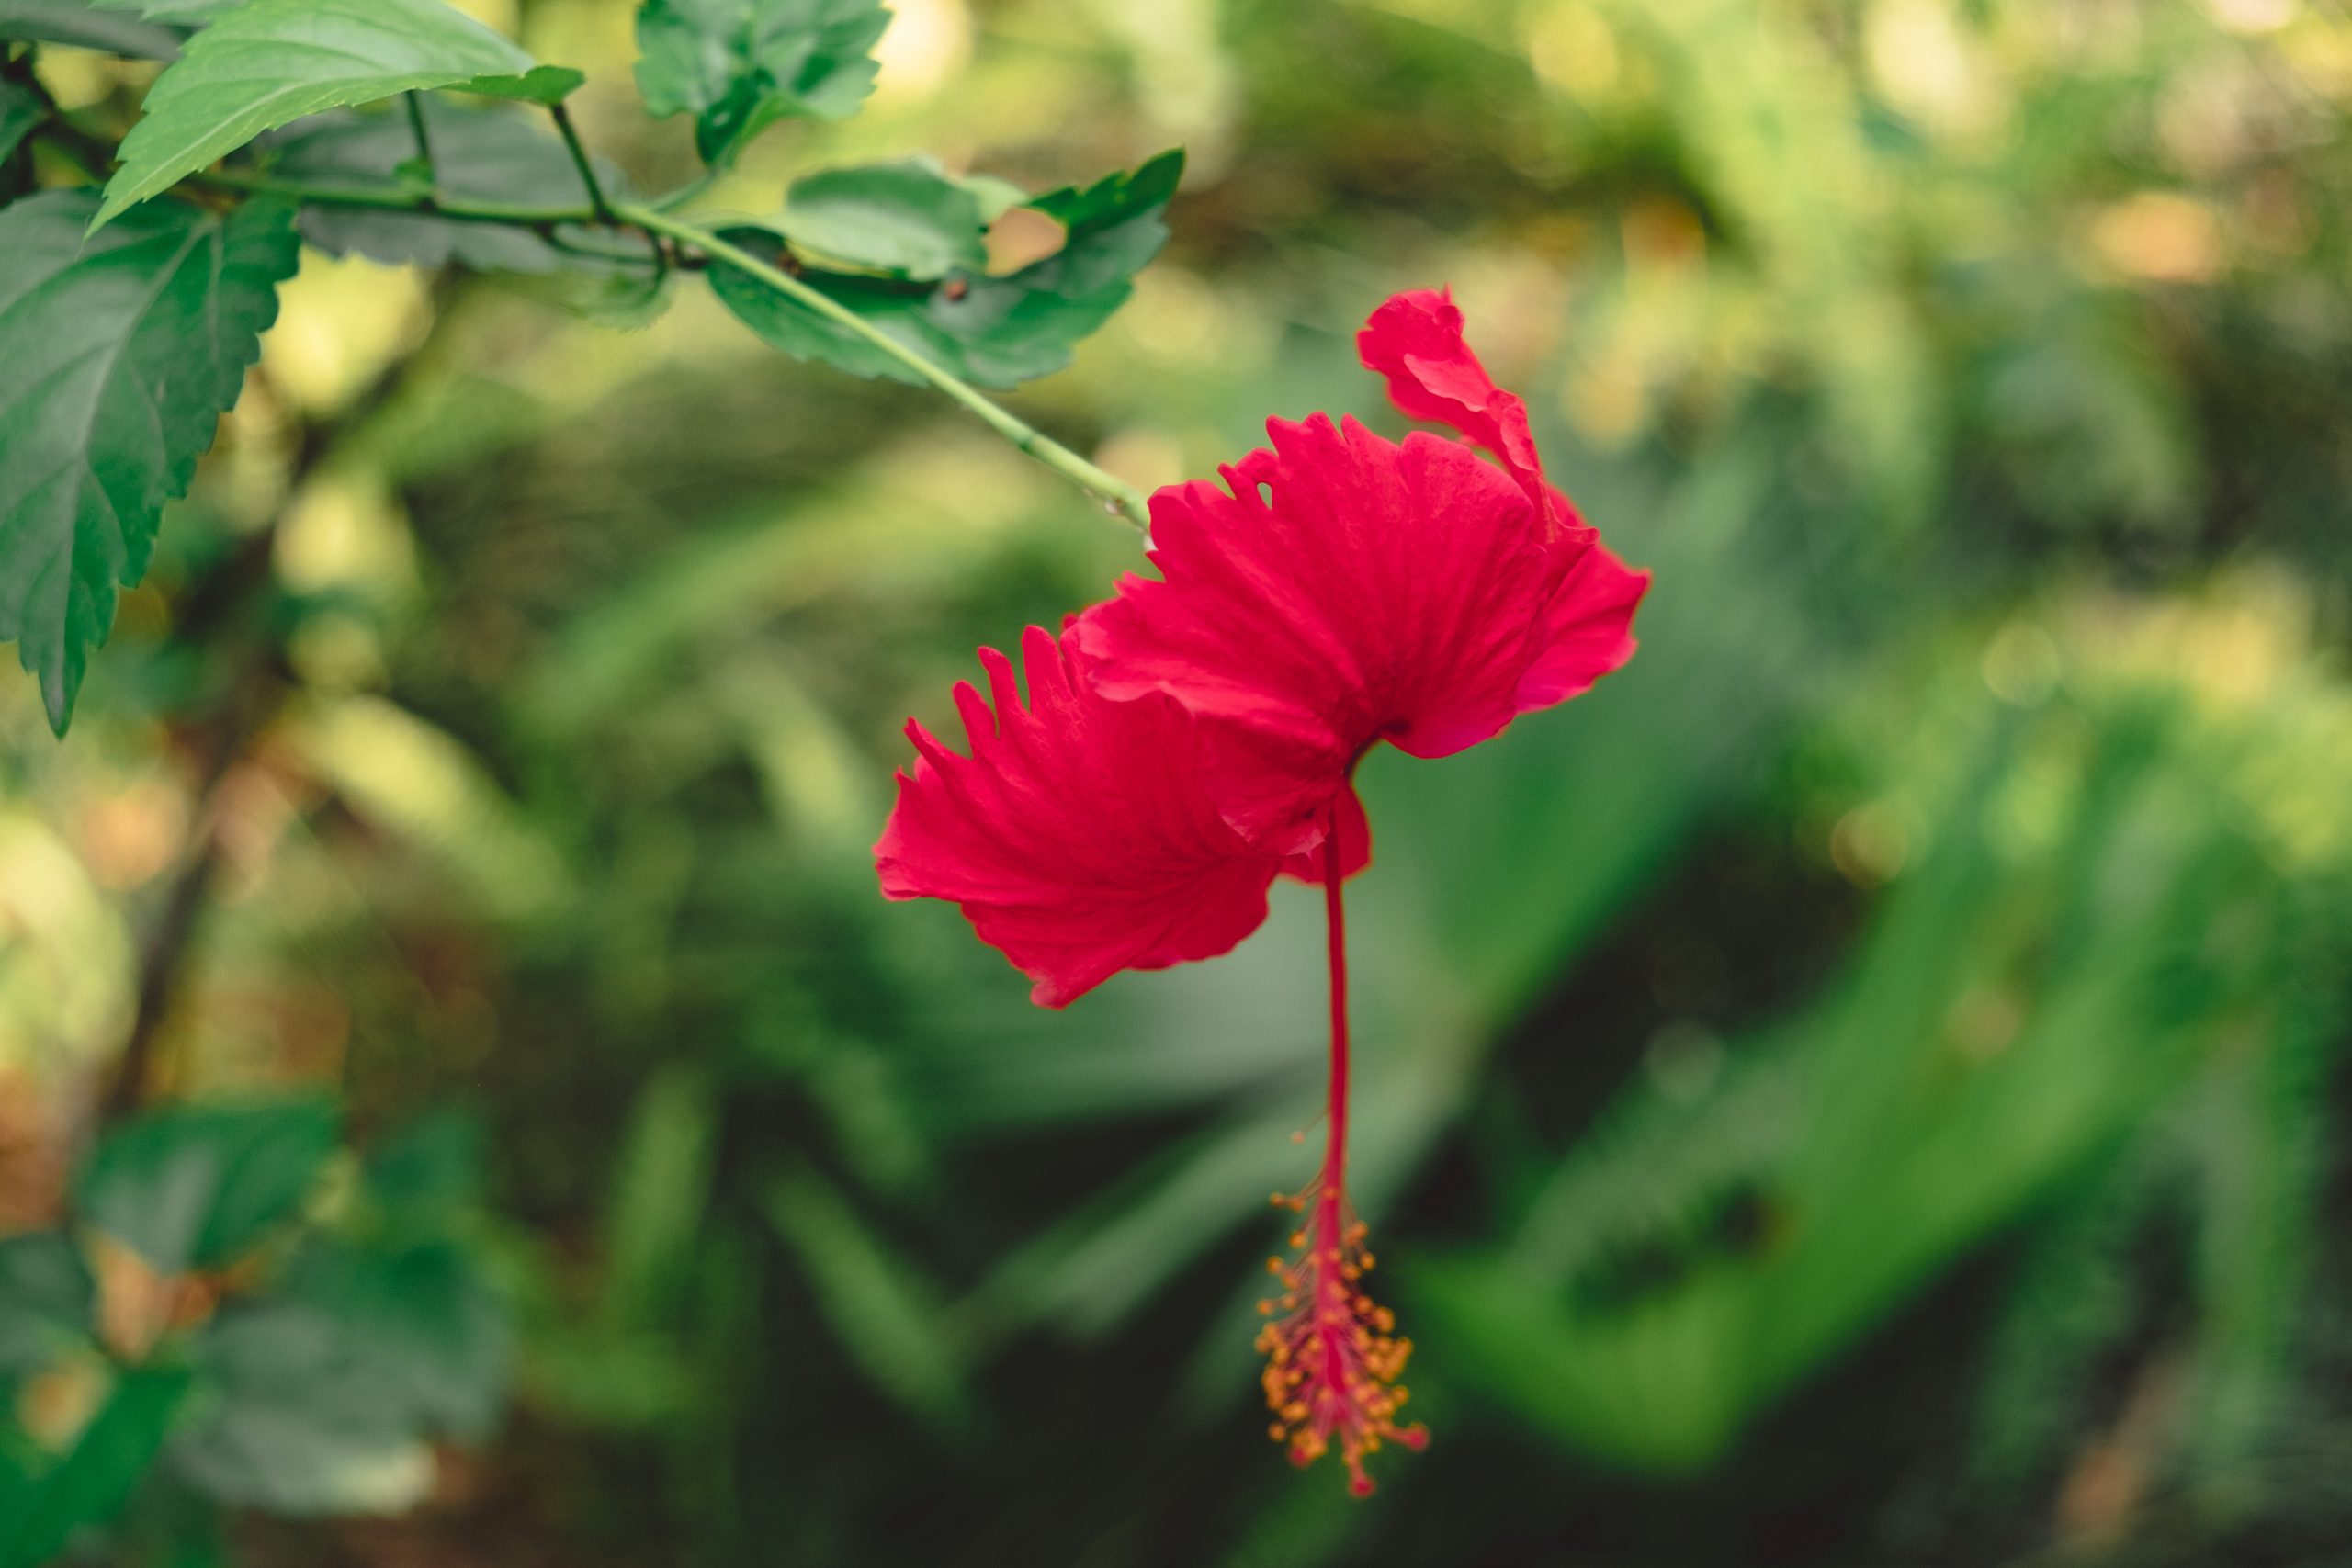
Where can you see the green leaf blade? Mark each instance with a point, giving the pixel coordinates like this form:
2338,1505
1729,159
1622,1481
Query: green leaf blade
189,13
739,66
196,1187
991,330
546,85
273,61
78,26
906,219
784,324
48,1299
19,112
91,1483
1115,198
122,354
324,1396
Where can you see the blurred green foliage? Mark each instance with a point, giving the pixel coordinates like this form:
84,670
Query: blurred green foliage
1859,1086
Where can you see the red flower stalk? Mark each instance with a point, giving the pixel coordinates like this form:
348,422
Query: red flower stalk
1196,736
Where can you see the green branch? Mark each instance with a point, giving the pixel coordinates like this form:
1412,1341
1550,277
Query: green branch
1119,497
423,138
581,161
389,198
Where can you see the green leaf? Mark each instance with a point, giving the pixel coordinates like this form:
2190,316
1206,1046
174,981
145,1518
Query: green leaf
546,85
272,62
738,66
19,112
661,1197
196,1187
91,1485
47,1298
1115,198
996,332
481,154
73,22
325,1397
121,355
996,196
192,12
907,219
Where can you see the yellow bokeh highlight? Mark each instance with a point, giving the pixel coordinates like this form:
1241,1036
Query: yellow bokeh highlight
65,953
2161,237
1572,48
2253,16
345,532
1929,66
928,42
339,323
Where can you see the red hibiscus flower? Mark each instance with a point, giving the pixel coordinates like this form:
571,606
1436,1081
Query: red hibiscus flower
1195,736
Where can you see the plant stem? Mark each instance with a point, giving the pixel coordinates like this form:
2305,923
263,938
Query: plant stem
423,140
1335,1155
388,198
581,161
1120,495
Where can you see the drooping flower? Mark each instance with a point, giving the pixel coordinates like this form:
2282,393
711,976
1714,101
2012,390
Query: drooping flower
1077,836
1340,590
1196,736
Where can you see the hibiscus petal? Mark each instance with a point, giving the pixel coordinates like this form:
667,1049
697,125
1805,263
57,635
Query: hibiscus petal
1341,590
1416,342
1587,630
1077,836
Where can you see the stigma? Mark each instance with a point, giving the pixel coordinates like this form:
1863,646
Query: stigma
1332,1354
